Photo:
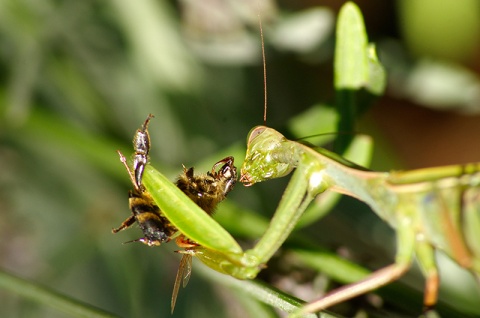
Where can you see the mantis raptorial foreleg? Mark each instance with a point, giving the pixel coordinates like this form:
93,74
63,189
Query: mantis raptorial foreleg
405,243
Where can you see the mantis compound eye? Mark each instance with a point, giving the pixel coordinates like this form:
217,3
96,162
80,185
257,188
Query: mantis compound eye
254,133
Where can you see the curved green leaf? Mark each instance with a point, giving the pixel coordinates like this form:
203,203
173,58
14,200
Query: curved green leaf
351,61
187,217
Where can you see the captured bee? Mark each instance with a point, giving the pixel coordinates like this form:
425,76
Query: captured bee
206,190
156,228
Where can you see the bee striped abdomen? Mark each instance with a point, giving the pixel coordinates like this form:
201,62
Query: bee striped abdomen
154,226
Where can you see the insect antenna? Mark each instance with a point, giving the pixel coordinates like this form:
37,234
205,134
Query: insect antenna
131,174
133,241
336,133
264,71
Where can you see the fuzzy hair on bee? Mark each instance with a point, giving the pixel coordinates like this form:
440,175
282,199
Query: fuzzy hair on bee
207,190
155,227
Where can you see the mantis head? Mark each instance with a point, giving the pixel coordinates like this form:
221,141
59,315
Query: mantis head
269,155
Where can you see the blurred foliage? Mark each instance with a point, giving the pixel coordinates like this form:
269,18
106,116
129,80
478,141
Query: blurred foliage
79,77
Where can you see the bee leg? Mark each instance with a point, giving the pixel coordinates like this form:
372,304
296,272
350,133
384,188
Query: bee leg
127,223
145,241
184,242
138,187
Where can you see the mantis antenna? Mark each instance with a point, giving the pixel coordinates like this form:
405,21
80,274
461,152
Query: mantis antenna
264,72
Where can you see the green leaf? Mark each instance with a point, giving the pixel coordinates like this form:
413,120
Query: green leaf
356,63
377,79
49,297
351,61
356,67
187,217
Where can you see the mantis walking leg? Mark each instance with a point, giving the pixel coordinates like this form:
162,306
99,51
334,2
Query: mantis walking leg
405,243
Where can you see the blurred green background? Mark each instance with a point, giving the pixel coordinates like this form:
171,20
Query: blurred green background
79,77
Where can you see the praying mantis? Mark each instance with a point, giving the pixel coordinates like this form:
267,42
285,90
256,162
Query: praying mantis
405,200
450,192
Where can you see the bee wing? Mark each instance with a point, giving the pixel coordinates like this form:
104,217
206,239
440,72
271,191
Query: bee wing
183,275
187,268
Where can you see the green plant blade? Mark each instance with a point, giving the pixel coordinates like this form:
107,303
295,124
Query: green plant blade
187,217
351,61
46,296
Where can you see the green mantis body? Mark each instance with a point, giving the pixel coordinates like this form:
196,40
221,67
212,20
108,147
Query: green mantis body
434,208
